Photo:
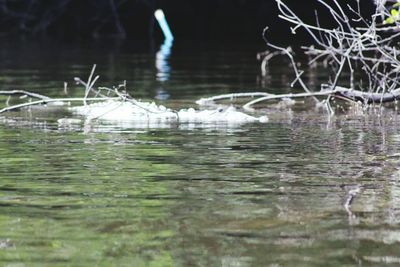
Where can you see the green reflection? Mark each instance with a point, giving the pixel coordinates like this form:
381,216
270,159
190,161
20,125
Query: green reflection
252,195
83,199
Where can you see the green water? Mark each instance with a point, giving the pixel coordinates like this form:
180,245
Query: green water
191,195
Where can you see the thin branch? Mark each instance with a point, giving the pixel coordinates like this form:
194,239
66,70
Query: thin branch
52,100
282,96
23,93
287,51
351,195
208,100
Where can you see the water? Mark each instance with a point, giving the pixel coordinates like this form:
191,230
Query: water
191,195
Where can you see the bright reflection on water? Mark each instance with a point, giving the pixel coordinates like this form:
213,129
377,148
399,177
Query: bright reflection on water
162,57
163,68
193,195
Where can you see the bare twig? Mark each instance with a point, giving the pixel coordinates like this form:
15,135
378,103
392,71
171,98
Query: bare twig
210,100
90,83
351,195
23,93
52,100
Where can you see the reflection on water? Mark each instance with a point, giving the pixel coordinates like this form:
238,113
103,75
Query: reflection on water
162,64
253,195
163,68
246,196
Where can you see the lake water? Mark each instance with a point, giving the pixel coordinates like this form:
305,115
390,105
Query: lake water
191,195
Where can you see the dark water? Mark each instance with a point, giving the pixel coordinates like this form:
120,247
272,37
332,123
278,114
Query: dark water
252,195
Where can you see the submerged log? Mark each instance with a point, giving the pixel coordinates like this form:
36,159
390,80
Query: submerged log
364,97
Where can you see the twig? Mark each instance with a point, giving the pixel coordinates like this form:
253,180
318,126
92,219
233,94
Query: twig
50,100
351,195
282,96
23,92
208,100
90,83
287,51
265,57
349,47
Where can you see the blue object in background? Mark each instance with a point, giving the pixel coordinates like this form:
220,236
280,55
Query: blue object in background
159,14
162,56
163,68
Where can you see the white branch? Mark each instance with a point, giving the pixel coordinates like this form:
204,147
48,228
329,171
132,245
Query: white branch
210,100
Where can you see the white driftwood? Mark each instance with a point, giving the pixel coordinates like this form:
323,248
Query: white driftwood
211,100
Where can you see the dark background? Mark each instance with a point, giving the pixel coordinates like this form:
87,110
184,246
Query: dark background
224,20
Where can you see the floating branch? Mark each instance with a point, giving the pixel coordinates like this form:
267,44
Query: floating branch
24,93
211,100
116,105
52,100
248,105
339,92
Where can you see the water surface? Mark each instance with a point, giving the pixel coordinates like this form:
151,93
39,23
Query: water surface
191,195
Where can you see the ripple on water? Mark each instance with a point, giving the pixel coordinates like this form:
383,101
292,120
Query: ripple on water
196,195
